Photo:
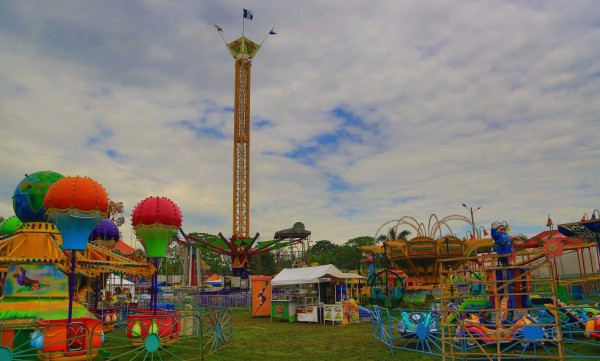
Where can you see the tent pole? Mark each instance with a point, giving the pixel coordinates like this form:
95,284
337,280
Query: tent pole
271,301
319,303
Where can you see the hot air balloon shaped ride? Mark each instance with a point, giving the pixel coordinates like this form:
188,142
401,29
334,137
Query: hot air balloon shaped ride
76,205
156,221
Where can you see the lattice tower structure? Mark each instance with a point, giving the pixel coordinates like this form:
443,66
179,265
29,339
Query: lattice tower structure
241,150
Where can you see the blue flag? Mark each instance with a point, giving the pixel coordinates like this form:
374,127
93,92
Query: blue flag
272,32
248,14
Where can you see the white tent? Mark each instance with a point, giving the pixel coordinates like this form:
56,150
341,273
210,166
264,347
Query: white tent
115,281
298,276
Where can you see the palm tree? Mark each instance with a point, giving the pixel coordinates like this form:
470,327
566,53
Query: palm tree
402,236
393,236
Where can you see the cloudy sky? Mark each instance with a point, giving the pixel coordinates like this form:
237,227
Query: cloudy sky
362,112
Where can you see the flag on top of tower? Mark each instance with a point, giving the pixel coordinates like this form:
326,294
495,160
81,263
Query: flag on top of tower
248,14
272,32
218,28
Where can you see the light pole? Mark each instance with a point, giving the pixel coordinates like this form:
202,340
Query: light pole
472,211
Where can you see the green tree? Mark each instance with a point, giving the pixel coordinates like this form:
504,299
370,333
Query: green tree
403,236
285,262
357,242
345,258
322,247
263,264
322,252
216,262
321,259
174,260
393,236
361,241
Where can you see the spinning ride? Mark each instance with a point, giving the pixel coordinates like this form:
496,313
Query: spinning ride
526,314
419,257
241,251
36,296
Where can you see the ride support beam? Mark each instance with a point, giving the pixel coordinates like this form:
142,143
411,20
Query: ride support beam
241,150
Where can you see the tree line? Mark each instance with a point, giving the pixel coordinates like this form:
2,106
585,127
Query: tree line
346,256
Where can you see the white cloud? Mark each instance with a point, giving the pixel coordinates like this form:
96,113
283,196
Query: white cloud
490,103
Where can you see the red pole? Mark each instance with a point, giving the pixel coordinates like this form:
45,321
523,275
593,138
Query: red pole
194,280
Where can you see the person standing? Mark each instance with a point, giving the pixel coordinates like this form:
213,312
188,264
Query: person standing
502,242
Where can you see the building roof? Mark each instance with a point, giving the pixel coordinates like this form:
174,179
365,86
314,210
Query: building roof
297,276
549,234
297,231
124,248
213,278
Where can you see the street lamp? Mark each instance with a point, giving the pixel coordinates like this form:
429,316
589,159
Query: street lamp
471,210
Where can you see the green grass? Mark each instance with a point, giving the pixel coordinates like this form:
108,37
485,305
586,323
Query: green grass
262,339
259,338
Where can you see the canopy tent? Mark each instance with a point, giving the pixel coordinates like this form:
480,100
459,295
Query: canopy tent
308,277
147,285
114,281
214,280
541,238
124,248
298,276
351,276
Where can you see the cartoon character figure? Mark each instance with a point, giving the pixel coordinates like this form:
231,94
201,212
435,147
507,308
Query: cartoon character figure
502,242
28,284
348,314
261,295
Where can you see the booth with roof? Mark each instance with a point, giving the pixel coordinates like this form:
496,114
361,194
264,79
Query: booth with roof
313,294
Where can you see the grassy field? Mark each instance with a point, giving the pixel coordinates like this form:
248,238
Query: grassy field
263,339
259,338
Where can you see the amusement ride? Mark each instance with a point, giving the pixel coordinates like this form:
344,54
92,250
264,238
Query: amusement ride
472,297
465,299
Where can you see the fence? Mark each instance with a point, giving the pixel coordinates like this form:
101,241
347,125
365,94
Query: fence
202,301
145,335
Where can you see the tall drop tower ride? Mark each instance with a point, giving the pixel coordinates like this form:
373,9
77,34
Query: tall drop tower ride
242,50
240,247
